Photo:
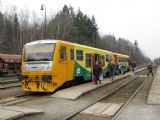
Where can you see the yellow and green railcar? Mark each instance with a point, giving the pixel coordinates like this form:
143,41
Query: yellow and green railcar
49,64
121,59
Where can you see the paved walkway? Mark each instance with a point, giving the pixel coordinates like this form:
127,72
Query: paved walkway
76,91
13,112
138,108
102,109
154,93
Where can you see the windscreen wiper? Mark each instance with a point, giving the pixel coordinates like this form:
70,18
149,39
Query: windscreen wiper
45,59
31,60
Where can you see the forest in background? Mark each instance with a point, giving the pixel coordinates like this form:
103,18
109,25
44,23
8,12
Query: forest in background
18,28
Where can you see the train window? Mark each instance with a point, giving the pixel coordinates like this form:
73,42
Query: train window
100,58
103,60
110,58
79,55
127,59
72,54
107,57
63,53
88,60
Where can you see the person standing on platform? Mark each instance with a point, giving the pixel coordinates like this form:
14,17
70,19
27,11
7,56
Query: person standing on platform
133,65
121,69
149,68
96,72
100,69
112,68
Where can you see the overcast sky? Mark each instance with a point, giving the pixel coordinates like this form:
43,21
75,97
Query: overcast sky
130,19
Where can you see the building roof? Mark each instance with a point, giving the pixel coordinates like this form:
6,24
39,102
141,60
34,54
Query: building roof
10,58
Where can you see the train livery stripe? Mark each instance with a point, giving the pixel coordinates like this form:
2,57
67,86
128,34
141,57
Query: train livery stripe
81,71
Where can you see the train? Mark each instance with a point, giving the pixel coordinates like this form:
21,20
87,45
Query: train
49,64
9,63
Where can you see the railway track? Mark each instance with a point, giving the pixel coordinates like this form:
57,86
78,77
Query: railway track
27,97
9,81
8,75
110,96
129,99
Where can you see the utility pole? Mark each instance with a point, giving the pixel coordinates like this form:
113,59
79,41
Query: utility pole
43,7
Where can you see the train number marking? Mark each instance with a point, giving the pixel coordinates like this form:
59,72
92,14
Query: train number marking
78,70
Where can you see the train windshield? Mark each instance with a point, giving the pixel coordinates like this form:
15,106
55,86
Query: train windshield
39,52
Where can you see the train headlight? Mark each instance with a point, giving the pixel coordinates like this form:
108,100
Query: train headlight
46,77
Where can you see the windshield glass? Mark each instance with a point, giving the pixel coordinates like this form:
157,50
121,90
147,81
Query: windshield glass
39,52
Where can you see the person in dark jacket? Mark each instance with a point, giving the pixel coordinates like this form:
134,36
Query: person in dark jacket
97,71
133,65
112,69
101,65
149,68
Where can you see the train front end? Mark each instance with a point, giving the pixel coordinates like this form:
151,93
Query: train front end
37,66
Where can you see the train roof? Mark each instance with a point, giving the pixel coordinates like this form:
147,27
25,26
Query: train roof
84,46
126,56
55,41
42,41
10,58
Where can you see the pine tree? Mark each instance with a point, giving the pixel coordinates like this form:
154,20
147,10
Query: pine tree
1,32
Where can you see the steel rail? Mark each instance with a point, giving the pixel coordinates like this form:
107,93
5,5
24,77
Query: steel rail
110,93
122,108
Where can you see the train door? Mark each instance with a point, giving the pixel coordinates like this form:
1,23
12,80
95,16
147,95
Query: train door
114,59
92,62
71,59
96,58
63,63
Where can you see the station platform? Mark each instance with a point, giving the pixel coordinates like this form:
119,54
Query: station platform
14,112
154,93
102,109
76,91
